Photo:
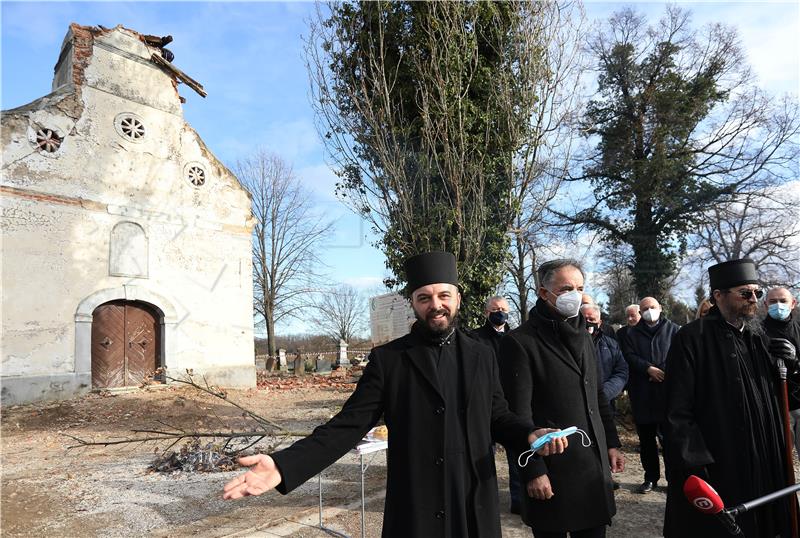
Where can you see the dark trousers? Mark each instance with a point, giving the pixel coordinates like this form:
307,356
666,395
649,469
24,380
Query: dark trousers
649,434
594,532
515,487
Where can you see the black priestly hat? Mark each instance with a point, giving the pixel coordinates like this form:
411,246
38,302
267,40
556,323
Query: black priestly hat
431,268
732,273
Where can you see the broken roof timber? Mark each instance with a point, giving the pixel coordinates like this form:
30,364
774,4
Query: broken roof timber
180,75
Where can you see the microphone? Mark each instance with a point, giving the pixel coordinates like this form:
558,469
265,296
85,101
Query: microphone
705,499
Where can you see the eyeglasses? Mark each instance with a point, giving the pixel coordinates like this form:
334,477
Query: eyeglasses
746,293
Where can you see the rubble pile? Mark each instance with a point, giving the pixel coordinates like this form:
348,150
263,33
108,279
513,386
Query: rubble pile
338,379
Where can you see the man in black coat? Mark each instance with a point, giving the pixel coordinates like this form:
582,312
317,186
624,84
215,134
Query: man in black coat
782,322
723,421
632,317
612,365
496,325
490,333
549,373
645,348
439,393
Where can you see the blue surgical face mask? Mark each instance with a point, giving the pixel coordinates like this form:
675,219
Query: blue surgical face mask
779,311
498,318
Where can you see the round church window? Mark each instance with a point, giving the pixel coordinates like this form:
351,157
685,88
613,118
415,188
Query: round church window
195,174
130,127
47,140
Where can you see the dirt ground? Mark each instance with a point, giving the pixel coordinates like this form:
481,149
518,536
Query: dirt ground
49,489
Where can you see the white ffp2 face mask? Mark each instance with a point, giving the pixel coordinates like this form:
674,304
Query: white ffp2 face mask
569,304
651,315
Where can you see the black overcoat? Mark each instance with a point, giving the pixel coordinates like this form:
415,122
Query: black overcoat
487,335
705,425
400,383
544,383
790,330
643,349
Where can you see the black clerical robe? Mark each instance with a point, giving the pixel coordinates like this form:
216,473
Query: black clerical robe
402,383
723,424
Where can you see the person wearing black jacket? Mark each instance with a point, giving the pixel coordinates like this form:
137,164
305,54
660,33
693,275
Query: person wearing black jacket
496,325
490,333
549,374
613,368
439,393
723,420
605,328
782,322
632,317
645,348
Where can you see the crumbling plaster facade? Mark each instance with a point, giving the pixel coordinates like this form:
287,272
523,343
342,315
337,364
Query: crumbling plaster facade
130,205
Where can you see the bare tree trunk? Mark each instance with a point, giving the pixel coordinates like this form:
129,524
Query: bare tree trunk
272,347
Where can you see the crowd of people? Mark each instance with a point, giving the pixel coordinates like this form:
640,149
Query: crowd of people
706,393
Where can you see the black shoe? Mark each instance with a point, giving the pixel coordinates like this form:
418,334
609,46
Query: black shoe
616,485
514,508
646,487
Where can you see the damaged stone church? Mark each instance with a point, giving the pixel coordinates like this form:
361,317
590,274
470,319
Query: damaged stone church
126,243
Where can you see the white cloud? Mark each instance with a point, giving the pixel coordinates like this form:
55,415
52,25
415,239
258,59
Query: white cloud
769,32
292,140
365,283
321,180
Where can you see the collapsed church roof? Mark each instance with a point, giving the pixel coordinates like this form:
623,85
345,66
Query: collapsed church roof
79,43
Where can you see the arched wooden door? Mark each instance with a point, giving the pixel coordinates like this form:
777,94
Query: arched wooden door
126,343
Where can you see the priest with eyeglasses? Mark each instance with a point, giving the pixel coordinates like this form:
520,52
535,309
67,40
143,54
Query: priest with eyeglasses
723,416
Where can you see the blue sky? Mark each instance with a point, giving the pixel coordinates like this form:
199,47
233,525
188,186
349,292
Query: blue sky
249,57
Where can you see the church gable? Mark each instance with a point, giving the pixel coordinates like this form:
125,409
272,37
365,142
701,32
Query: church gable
112,132
127,243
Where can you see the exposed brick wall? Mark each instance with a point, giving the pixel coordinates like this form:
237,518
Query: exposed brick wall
82,43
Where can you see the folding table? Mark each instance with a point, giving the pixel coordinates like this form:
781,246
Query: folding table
368,445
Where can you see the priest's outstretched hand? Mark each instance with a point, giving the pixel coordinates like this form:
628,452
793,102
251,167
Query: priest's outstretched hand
262,476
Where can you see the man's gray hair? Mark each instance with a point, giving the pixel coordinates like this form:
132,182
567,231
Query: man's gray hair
547,270
774,288
636,306
493,298
591,306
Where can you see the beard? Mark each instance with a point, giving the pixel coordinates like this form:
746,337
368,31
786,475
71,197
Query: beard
753,324
747,315
438,322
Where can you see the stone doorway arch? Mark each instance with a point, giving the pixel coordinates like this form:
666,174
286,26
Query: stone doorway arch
168,322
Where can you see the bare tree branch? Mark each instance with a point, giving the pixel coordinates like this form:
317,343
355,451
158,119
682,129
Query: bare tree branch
287,238
340,312
761,224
